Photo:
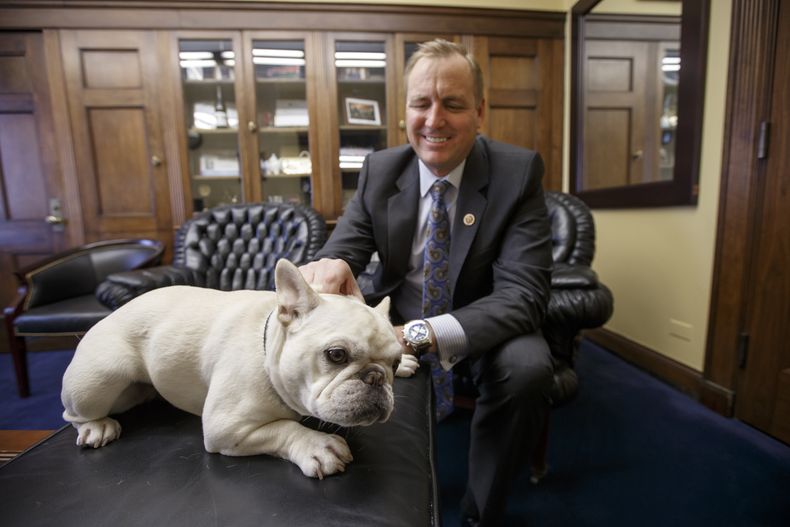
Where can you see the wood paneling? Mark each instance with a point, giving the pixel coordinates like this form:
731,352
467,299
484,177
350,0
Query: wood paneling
763,383
112,84
29,175
520,74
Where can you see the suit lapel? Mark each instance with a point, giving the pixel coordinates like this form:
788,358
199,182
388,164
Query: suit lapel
402,216
470,205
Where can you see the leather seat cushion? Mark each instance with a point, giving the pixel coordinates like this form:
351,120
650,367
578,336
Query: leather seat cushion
158,473
75,315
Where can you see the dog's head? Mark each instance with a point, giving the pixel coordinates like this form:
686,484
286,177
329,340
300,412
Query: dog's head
337,358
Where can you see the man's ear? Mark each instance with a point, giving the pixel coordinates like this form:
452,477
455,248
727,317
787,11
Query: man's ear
295,297
384,307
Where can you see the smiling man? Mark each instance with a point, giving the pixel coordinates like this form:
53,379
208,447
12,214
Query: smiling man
460,226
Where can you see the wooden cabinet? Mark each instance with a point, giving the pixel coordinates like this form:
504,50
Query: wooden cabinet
189,107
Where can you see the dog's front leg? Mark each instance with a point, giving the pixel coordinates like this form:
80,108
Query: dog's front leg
317,454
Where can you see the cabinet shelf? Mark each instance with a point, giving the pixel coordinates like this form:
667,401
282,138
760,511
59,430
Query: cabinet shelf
208,82
215,131
362,127
201,177
283,129
284,80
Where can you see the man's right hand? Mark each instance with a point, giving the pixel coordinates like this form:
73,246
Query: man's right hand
333,276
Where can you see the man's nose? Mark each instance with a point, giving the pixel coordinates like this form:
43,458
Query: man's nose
435,117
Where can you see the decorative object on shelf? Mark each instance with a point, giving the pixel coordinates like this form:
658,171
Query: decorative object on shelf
352,157
194,139
362,111
204,116
291,112
283,72
296,166
220,113
271,166
225,164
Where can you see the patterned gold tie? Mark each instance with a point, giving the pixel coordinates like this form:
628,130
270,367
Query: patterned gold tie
436,295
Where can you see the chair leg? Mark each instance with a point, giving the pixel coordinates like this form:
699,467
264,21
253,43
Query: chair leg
19,354
539,465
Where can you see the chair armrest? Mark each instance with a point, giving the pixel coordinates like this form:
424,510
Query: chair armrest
569,276
120,288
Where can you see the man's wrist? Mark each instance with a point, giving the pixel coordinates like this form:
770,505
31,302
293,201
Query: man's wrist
418,336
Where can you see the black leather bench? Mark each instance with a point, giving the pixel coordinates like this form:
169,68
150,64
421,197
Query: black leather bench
158,474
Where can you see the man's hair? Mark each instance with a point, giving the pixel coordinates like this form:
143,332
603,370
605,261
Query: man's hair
442,49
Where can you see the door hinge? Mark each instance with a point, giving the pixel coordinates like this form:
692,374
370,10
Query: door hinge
763,141
743,349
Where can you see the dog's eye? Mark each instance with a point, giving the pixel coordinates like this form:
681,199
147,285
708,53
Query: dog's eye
395,366
337,355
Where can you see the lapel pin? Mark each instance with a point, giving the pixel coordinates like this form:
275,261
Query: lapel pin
469,219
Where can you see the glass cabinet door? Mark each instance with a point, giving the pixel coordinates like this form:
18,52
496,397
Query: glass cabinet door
282,120
361,76
207,76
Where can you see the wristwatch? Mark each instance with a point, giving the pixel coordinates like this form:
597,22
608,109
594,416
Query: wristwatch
417,335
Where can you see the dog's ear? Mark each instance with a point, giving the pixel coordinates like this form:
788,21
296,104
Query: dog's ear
384,307
295,297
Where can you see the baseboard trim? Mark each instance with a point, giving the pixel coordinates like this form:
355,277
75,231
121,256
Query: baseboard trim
672,372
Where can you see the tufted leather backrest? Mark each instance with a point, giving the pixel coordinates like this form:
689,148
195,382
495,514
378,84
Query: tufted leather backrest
237,246
572,229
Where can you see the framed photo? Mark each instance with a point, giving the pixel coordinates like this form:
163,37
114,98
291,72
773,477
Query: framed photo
362,111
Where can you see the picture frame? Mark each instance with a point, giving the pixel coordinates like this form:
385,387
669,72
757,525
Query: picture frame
362,111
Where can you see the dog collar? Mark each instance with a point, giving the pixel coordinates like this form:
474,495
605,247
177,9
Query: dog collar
266,330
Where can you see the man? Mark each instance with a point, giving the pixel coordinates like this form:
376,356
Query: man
499,261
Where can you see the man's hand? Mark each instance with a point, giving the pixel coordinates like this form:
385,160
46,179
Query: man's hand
333,276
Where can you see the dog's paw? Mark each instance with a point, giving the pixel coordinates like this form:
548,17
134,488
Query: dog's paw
96,434
408,365
320,455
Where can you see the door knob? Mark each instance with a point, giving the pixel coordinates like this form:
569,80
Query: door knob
402,124
156,161
252,127
55,220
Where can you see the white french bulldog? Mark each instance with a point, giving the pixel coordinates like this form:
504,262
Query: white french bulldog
251,363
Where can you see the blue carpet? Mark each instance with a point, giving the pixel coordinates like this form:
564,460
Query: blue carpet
629,450
42,410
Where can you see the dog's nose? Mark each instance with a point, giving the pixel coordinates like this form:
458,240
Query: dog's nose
373,377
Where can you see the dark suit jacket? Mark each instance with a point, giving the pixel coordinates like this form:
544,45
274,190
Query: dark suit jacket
500,265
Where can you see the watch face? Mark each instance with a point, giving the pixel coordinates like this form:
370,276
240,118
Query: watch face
418,333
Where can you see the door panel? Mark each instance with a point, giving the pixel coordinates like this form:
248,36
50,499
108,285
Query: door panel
614,120
522,108
112,81
763,397
29,178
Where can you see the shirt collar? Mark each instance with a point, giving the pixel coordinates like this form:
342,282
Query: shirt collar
428,178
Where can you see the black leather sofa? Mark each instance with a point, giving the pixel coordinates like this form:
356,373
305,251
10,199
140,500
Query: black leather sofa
57,295
158,474
228,248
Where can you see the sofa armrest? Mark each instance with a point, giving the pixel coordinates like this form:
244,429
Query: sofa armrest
119,288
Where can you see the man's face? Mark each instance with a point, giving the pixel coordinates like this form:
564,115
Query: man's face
441,116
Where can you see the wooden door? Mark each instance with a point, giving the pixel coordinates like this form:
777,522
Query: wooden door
614,116
112,81
523,105
29,175
763,394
